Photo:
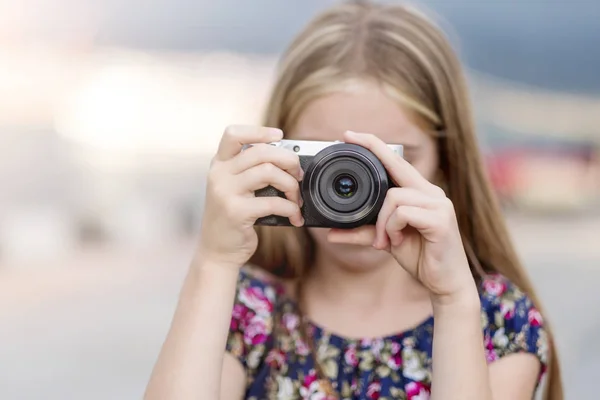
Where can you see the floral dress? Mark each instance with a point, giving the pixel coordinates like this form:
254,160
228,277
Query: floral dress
279,366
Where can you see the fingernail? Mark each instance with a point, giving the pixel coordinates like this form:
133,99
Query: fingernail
276,133
301,174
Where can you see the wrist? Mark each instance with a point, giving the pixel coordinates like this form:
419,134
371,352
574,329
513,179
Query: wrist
205,259
207,265
464,301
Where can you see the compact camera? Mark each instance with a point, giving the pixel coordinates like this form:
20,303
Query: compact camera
344,184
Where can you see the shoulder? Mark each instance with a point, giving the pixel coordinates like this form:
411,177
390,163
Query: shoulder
256,298
257,289
252,317
500,295
511,321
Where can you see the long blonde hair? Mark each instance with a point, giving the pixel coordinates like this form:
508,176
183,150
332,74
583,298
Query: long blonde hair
411,57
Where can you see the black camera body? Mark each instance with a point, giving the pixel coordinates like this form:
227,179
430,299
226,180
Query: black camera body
344,184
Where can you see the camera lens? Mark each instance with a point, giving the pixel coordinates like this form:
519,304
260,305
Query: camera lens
345,186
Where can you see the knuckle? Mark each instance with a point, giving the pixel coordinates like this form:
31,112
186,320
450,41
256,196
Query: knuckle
400,213
291,186
448,205
394,191
231,132
447,218
269,169
438,191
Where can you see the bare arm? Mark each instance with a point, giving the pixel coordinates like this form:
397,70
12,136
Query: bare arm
460,369
514,377
417,224
191,361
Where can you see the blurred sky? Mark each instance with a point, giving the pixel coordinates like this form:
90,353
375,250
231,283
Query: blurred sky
548,43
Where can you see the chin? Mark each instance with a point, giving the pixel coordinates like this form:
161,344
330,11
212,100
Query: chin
351,257
359,258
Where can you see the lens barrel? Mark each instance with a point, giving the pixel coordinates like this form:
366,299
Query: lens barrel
346,185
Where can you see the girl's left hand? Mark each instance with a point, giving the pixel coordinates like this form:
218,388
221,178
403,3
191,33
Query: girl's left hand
417,225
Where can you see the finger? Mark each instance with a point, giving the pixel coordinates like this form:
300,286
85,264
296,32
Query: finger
419,218
400,170
362,236
396,197
267,174
236,136
264,153
265,206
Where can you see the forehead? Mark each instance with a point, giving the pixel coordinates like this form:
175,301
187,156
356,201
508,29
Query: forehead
363,107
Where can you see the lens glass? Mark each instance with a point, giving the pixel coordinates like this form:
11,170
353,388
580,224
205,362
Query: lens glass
345,186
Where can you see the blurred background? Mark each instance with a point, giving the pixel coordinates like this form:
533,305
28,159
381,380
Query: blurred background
110,111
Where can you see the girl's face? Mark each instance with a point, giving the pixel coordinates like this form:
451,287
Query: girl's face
365,108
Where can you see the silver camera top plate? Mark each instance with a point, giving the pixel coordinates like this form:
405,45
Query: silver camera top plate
312,147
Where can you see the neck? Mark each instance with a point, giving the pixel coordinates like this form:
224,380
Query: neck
364,288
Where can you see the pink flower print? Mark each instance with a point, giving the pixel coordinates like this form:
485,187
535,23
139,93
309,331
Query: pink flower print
395,361
366,342
310,378
302,348
416,391
256,331
354,385
275,358
534,317
290,321
377,346
255,299
351,357
311,388
494,286
490,353
508,309
240,317
374,391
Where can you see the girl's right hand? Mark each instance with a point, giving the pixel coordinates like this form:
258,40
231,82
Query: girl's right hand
231,208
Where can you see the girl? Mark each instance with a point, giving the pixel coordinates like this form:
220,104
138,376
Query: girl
349,314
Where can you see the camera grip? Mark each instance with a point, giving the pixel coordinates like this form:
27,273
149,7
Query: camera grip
271,220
